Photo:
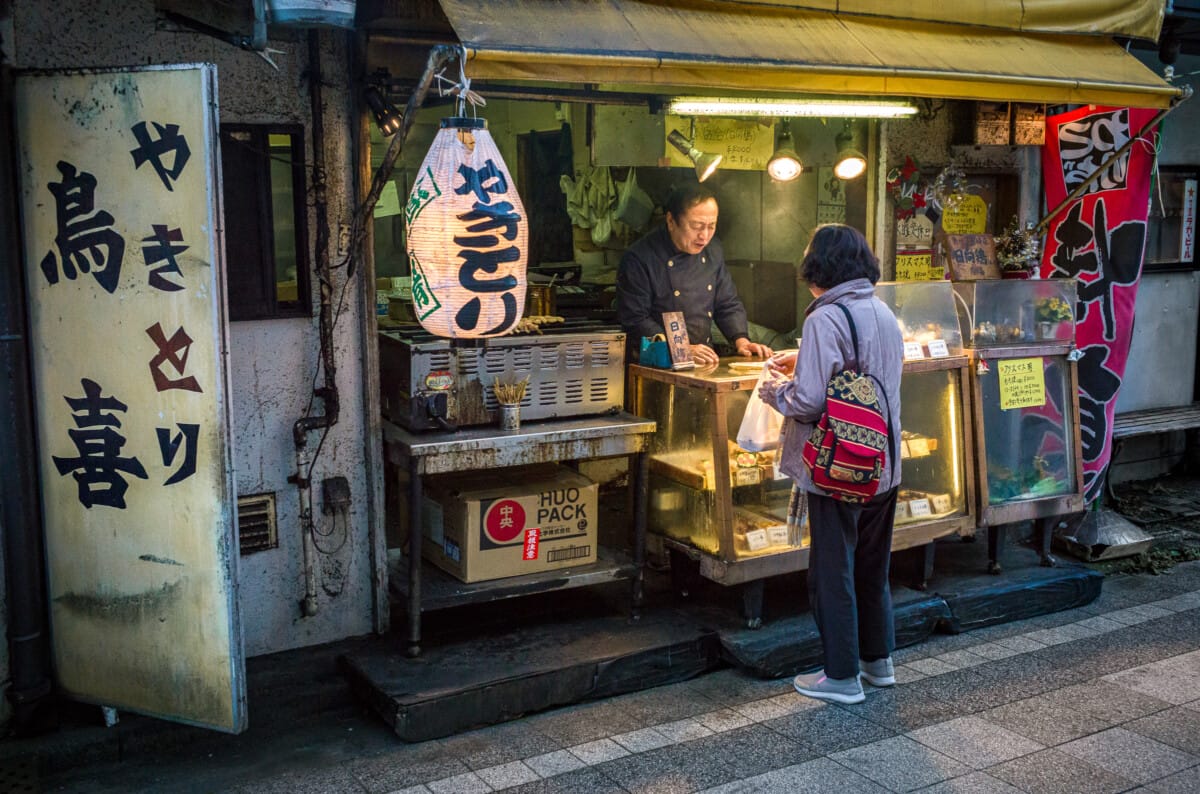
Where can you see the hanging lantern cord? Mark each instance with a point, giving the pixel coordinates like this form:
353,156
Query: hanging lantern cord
461,89
438,57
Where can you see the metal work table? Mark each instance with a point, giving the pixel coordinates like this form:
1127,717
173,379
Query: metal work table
479,448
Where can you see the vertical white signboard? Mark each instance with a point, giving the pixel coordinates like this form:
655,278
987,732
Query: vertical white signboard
120,200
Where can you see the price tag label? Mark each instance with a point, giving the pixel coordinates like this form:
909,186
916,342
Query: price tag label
756,539
938,349
747,476
913,350
942,503
919,508
778,536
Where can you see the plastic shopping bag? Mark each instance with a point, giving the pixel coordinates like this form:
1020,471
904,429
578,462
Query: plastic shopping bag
761,424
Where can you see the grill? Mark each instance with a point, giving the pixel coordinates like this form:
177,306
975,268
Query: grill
431,383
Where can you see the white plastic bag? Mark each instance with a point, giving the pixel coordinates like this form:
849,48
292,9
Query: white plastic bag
761,424
634,205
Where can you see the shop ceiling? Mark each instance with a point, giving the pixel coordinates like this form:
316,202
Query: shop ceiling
1042,51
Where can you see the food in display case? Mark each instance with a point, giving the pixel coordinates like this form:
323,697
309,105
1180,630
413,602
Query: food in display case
925,313
1017,311
698,412
932,453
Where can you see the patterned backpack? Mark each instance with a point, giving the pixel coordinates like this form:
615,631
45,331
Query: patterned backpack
849,445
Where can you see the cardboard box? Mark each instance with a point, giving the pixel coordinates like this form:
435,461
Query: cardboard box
507,523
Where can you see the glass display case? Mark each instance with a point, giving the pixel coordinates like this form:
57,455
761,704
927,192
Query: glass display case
1021,343
707,493
1007,312
1027,421
937,483
727,507
927,317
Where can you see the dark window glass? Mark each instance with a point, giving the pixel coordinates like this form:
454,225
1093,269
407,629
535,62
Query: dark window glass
1171,225
266,244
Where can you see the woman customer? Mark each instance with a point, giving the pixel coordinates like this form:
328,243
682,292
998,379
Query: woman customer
851,542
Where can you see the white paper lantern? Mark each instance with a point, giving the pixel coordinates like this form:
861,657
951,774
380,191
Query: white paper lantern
468,236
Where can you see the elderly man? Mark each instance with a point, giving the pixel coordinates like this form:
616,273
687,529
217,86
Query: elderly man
680,268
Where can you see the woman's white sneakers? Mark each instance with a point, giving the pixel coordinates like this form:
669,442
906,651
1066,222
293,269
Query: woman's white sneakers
880,672
838,690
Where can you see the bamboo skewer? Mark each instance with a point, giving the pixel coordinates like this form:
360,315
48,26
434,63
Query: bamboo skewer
510,393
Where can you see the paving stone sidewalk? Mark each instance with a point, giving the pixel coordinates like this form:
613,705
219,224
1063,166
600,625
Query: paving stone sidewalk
1104,698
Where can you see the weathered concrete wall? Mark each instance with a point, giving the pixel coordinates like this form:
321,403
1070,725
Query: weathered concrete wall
273,363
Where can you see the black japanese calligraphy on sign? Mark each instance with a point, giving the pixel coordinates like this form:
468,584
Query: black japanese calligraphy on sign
98,467
479,253
161,249
85,240
151,150
169,447
1098,262
169,352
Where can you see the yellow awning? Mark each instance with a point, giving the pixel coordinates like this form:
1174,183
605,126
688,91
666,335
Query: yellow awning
765,48
1139,19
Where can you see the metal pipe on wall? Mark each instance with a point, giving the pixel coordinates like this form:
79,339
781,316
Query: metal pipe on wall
328,392
20,509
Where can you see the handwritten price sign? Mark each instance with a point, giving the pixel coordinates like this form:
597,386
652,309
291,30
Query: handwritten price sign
967,216
914,266
1022,383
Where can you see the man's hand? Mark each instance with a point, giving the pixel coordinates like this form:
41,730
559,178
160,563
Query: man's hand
782,364
751,349
703,355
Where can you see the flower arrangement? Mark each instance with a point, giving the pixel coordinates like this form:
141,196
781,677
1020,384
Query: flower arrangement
1017,248
1053,310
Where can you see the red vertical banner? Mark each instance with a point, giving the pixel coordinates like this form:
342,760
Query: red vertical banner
1099,240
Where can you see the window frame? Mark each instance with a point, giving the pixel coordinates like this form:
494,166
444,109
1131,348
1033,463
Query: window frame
265,304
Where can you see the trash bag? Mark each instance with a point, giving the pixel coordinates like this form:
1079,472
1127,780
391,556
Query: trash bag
761,424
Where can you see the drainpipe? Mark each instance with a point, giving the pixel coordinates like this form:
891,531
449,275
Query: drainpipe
20,509
328,392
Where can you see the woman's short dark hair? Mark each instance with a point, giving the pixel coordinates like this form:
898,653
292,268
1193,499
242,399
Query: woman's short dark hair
685,196
838,253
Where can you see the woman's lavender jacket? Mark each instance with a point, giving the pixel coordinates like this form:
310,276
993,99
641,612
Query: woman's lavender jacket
825,350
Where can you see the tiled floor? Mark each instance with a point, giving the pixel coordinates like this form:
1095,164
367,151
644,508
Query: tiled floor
992,711
1105,698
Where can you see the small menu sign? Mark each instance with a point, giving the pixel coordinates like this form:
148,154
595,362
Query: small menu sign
915,230
913,350
1022,383
677,341
971,257
914,266
966,215
938,349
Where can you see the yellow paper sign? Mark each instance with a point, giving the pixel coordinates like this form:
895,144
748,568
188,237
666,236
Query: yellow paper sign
913,266
743,145
1022,383
967,216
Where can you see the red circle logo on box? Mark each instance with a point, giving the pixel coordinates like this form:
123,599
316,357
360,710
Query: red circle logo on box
505,520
